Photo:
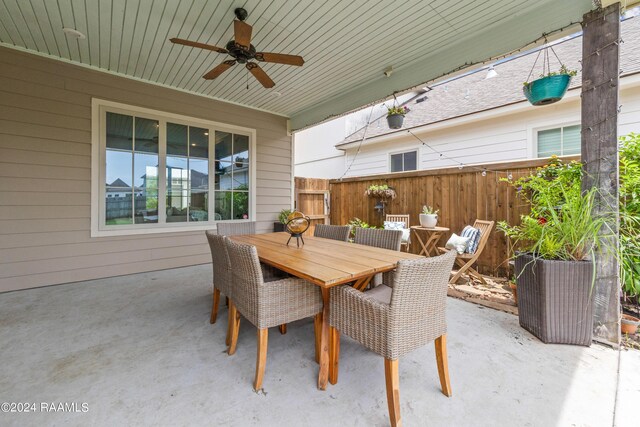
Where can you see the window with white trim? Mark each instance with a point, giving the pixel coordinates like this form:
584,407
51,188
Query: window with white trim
562,141
401,162
207,171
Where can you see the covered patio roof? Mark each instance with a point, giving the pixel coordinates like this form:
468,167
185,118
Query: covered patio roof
346,45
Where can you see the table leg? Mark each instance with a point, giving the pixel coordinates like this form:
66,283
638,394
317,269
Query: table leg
323,375
431,244
423,251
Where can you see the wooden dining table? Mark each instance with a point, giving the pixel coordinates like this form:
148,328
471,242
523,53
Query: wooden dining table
325,263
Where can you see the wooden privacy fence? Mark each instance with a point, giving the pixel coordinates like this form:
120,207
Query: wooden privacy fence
461,196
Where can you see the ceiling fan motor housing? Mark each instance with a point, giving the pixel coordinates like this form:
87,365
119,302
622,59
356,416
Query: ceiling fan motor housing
239,52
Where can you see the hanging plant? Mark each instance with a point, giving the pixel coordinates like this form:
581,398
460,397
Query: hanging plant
395,116
551,86
380,192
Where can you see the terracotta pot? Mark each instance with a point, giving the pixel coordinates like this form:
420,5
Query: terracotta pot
629,324
514,290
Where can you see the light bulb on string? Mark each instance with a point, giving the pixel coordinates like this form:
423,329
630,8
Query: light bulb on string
484,172
460,166
509,177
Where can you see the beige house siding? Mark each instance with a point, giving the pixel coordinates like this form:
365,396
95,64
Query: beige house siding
45,173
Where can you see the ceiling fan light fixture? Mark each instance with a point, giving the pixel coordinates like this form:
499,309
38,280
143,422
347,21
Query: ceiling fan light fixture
72,32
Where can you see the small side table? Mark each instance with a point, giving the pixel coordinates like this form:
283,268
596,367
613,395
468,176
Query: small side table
431,238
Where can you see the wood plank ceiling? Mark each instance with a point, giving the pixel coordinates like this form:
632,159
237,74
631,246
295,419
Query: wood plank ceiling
346,44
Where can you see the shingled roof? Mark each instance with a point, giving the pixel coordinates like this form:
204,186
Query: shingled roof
472,93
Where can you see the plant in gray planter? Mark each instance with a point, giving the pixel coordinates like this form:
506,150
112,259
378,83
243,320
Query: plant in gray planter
281,224
395,116
557,240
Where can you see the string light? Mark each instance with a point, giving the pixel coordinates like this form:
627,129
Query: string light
484,172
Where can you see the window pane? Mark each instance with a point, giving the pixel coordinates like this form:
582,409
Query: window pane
145,170
571,140
223,146
119,165
241,148
410,161
176,139
240,176
222,205
146,206
549,142
240,205
119,131
396,162
146,135
199,140
198,208
177,189
118,206
223,176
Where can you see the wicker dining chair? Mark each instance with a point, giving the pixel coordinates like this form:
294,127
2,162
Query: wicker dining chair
334,232
221,270
386,239
392,321
266,304
270,273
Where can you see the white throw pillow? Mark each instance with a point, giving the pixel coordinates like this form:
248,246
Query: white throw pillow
458,243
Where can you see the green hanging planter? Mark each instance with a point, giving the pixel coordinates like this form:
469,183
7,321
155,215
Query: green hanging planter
547,90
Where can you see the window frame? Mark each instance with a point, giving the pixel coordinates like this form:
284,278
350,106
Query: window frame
559,125
99,109
417,151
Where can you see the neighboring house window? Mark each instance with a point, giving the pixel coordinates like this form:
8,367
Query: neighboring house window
563,141
404,161
207,171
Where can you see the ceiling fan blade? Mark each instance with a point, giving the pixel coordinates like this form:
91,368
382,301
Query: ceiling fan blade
260,75
199,45
221,68
242,33
280,58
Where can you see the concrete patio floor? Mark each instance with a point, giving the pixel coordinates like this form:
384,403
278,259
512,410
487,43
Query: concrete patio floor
139,350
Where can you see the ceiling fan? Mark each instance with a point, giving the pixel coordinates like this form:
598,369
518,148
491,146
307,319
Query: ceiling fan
241,49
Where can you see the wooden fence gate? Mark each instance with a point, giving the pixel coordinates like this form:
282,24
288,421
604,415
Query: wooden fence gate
312,197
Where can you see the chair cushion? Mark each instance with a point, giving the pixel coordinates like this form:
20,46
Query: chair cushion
474,238
381,293
399,225
458,243
394,225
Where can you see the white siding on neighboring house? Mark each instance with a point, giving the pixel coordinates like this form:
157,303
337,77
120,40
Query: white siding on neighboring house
503,134
315,154
45,173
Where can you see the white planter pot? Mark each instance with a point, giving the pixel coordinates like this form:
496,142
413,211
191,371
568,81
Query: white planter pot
428,220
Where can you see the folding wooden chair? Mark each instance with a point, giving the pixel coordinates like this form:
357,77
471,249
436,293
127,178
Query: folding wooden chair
465,261
401,218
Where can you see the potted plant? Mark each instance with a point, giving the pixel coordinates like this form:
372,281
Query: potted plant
395,116
557,240
280,225
356,223
428,217
629,324
380,192
548,88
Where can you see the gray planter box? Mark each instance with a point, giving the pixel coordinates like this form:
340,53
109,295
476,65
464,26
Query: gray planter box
555,300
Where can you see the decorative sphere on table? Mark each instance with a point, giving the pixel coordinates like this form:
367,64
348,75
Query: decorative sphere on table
297,223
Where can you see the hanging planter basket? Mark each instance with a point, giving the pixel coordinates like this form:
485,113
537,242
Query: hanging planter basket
551,86
547,90
395,121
